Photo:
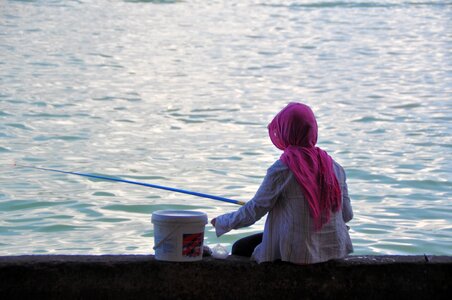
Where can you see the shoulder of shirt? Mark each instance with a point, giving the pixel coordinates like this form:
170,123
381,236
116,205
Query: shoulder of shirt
277,166
338,169
337,165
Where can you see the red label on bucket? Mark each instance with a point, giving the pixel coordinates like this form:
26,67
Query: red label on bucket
192,244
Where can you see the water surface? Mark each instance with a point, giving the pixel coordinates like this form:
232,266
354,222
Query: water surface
179,93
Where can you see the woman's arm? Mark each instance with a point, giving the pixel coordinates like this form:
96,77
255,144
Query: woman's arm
347,212
264,199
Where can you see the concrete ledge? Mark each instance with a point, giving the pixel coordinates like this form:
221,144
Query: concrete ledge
141,276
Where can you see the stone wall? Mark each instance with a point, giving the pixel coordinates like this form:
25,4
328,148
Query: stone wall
141,276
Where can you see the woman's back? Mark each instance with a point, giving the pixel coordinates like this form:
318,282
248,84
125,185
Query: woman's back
289,232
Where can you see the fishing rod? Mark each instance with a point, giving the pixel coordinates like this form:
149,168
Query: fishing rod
137,183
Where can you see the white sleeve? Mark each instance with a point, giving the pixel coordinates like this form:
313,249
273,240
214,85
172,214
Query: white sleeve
347,212
265,198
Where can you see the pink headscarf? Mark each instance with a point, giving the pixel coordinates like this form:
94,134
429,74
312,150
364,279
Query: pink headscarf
294,130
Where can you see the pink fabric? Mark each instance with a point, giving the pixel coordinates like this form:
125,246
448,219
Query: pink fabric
294,130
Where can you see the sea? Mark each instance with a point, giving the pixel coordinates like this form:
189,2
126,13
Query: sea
180,93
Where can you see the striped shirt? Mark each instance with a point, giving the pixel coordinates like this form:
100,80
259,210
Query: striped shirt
289,233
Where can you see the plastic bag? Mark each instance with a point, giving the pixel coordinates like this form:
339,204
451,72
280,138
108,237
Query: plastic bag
220,252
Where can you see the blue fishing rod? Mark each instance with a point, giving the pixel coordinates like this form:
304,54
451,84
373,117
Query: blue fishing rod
137,183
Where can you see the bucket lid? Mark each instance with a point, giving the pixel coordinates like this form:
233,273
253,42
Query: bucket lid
179,216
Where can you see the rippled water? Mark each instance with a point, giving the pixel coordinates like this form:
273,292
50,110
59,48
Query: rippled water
179,93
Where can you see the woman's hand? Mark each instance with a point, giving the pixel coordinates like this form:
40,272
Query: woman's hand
214,220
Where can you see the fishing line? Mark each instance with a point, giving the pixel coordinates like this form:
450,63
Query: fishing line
203,195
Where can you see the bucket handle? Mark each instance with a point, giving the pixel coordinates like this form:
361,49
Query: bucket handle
166,237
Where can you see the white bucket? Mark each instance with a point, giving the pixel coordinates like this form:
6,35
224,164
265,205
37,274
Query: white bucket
178,234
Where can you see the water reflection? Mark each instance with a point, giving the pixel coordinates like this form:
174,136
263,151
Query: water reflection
180,95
